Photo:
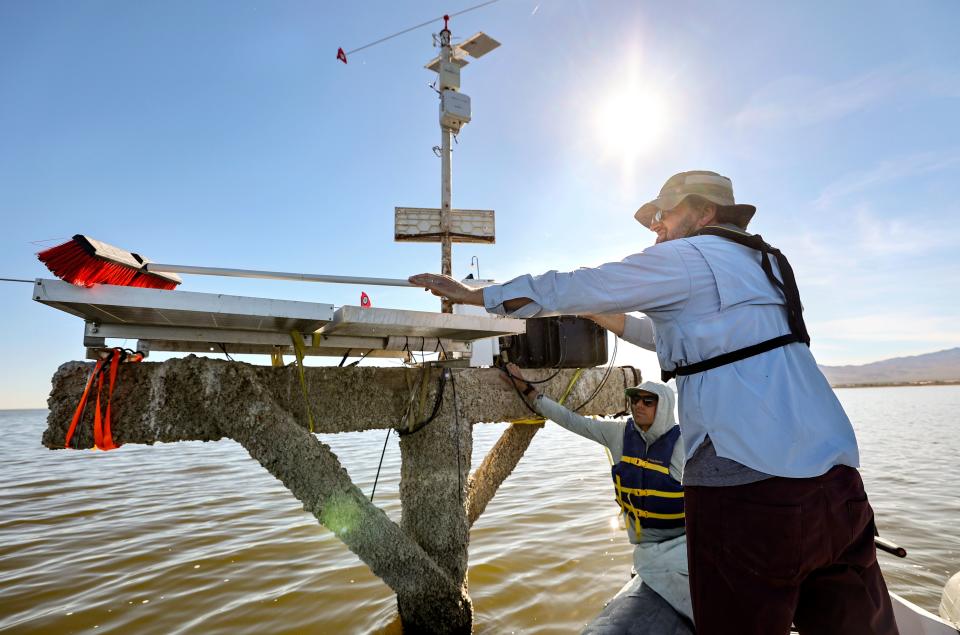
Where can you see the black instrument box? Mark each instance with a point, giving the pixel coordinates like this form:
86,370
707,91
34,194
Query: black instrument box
565,341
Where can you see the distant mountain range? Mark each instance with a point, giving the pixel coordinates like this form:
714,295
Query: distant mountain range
942,366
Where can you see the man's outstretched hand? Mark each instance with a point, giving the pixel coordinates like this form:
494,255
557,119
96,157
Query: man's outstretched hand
513,376
447,287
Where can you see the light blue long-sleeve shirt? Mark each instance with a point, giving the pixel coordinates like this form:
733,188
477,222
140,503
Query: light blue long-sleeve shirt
774,412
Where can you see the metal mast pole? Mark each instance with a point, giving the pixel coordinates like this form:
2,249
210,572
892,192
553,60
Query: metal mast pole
446,179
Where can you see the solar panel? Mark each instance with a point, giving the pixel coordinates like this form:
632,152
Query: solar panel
371,322
478,45
187,321
108,304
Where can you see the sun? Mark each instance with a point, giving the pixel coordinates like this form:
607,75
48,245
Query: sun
629,123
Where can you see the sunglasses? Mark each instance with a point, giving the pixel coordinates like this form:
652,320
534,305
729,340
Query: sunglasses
646,400
660,215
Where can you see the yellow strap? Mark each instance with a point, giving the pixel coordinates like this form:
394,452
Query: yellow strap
573,380
624,507
276,358
563,397
648,492
642,513
645,464
298,350
609,456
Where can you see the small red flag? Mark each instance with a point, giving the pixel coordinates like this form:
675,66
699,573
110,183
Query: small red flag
341,55
364,300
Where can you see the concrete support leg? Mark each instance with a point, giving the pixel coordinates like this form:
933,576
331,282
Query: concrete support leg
311,471
424,559
497,466
433,478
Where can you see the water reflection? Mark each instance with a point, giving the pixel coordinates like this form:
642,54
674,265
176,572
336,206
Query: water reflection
197,537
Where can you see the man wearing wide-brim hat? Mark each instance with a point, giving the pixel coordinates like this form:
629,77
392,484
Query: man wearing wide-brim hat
779,529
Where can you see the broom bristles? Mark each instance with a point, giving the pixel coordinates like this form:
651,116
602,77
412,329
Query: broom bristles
78,262
147,280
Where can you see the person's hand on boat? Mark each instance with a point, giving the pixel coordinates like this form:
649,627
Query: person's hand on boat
513,376
447,287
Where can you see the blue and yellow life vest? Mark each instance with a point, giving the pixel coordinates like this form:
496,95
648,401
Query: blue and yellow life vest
646,492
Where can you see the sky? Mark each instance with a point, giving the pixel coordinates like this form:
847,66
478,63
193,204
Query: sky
227,134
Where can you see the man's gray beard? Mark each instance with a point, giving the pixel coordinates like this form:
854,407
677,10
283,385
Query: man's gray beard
686,229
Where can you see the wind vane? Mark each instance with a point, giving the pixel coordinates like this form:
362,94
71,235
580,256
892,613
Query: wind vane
444,224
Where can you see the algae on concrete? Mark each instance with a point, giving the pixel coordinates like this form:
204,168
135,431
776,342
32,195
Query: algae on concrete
424,558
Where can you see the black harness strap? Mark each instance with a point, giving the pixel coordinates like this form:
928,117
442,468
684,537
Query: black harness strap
729,358
798,329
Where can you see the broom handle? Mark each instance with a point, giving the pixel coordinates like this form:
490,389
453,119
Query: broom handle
274,275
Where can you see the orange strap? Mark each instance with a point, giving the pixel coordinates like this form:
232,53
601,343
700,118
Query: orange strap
101,429
83,402
97,422
102,434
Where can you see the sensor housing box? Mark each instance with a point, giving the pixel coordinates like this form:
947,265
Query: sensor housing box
454,109
449,76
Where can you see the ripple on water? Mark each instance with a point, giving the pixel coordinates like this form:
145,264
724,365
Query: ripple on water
196,537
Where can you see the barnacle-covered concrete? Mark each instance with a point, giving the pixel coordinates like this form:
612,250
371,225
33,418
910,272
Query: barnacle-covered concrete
424,559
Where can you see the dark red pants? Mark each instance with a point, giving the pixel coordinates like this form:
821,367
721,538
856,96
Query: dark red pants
784,550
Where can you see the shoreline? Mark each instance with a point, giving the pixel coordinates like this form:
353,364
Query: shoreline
899,384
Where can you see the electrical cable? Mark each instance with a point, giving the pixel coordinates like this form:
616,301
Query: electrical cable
49,240
438,400
362,357
531,381
557,366
380,464
456,418
606,376
634,381
418,26
224,349
517,390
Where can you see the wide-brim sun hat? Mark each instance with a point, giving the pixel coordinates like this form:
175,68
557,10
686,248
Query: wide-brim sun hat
714,187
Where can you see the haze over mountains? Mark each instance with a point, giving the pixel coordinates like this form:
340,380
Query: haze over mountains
929,367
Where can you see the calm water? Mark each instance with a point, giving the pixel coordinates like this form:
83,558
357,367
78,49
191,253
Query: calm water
198,538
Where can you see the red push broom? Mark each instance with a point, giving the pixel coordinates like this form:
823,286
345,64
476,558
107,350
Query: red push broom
85,262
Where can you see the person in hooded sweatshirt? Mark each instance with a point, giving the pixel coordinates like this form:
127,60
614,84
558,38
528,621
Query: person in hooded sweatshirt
648,456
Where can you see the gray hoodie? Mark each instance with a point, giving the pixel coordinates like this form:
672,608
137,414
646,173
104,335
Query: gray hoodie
610,434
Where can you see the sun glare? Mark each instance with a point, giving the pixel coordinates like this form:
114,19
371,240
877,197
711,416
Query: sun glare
629,123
